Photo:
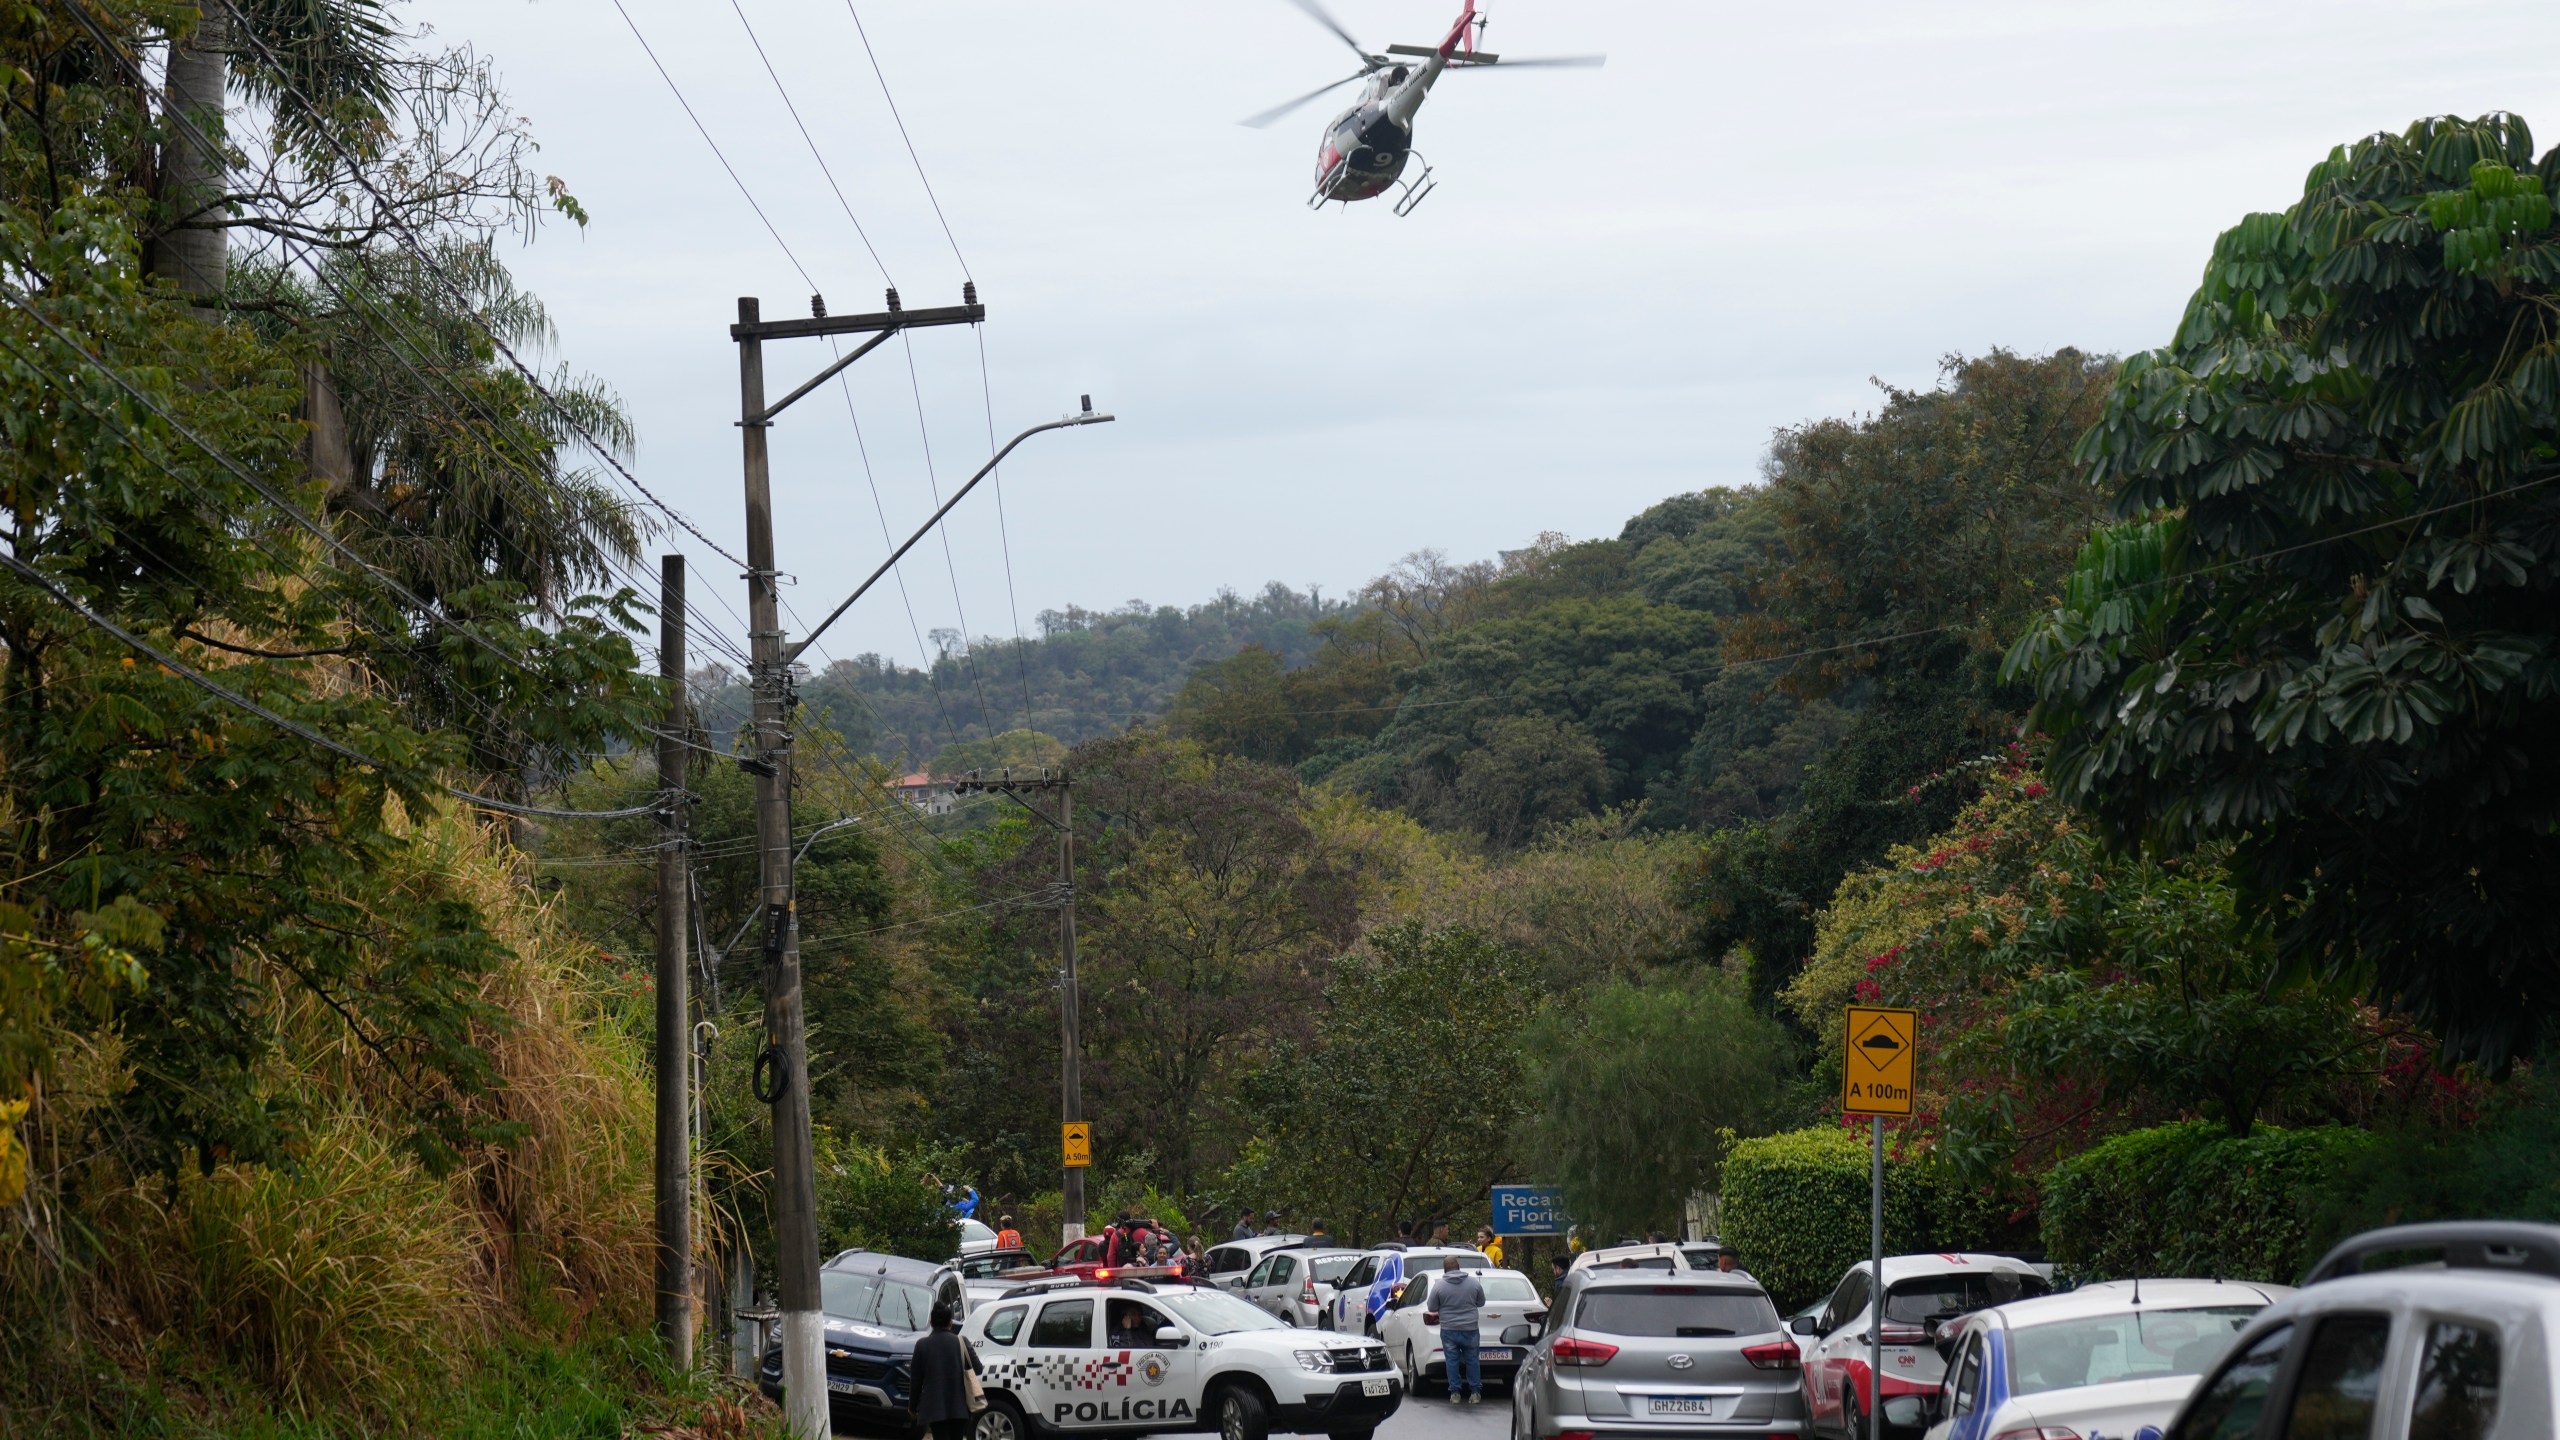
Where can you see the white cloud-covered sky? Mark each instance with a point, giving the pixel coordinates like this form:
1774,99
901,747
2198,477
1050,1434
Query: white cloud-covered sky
1627,279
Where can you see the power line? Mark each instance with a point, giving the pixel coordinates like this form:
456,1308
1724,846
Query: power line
428,265
183,670
909,140
823,168
705,133
357,564
392,221
1004,536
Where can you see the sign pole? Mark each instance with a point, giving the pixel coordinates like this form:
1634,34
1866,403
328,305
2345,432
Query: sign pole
1875,1250
1878,1068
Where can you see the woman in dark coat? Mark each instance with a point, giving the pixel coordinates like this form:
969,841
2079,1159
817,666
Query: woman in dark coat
941,1397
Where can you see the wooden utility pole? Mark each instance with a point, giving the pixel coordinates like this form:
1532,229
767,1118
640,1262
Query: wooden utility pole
675,1017
782,1068
1070,1004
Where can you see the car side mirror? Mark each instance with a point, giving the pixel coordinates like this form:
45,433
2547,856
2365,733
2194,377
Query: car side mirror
1171,1335
1805,1325
1520,1335
1905,1412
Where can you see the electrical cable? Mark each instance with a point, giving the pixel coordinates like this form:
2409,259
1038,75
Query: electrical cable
356,563
716,154
823,168
1004,536
909,140
390,218
189,673
712,635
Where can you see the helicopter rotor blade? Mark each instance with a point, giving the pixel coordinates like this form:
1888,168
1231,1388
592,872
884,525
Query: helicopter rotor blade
1572,62
1325,18
1275,112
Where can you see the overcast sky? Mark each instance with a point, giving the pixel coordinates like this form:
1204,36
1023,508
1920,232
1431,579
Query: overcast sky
1627,279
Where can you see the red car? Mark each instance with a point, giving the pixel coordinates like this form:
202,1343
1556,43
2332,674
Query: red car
1921,1292
1089,1257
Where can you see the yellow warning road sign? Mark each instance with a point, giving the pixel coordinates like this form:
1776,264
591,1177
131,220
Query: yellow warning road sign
1077,1137
1876,1073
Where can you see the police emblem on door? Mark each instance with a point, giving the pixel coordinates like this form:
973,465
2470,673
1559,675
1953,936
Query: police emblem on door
1152,1369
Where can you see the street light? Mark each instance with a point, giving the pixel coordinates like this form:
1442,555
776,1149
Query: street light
1089,417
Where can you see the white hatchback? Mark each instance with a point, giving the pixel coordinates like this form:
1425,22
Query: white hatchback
2113,1359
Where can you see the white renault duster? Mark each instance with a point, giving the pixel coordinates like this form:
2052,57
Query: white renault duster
1132,1356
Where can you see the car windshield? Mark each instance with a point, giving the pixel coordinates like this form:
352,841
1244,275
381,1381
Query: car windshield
1333,1267
874,1300
1688,1311
1215,1312
1914,1302
2135,1345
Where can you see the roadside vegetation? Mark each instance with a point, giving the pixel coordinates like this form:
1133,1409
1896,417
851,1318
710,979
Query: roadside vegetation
2171,730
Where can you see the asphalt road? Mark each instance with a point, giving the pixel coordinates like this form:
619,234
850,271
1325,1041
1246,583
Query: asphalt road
1429,1416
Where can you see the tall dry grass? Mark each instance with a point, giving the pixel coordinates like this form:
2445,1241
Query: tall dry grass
355,1277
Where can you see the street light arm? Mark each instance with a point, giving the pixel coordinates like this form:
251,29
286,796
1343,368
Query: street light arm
792,652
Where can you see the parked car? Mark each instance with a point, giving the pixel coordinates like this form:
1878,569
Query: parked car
2107,1359
1227,1265
1922,1292
1374,1280
1410,1327
877,1306
1135,1357
2461,1343
989,1273
1293,1285
975,1236
1638,1352
1802,1333
1663,1255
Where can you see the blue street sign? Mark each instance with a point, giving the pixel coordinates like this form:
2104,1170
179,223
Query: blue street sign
1529,1210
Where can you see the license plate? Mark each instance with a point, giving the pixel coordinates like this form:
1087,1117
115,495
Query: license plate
1679,1405
1495,1353
1373,1387
843,1387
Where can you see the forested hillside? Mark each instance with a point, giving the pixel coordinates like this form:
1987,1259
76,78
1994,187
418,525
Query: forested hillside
1088,673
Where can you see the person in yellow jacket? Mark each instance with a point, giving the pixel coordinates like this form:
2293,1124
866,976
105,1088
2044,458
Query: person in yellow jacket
1490,1244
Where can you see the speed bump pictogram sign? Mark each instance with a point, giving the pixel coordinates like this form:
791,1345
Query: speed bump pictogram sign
1876,1072
1076,1136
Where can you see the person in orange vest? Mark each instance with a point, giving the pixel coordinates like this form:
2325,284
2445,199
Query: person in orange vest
1007,1238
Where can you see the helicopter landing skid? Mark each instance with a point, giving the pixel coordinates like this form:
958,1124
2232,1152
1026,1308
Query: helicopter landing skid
1416,188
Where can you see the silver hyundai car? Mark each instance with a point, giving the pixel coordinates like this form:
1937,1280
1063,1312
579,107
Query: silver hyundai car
1633,1353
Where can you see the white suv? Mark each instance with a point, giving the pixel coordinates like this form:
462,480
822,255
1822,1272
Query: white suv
1134,1356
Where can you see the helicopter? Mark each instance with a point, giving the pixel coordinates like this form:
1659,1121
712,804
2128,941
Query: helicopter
1366,147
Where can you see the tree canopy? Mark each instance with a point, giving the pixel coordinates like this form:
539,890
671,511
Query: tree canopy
2323,628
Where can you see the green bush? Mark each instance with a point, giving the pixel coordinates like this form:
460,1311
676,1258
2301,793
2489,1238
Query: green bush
2505,1165
2191,1199
1797,1208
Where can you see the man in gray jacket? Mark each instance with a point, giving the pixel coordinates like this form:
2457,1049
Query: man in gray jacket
1457,1298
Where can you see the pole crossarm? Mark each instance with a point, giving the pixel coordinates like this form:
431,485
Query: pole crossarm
813,326
1089,417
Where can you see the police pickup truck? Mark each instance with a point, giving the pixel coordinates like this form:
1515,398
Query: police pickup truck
1135,1355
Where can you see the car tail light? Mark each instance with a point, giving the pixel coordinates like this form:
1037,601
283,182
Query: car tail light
1307,1290
1777,1355
2039,1432
1905,1334
1431,1317
1569,1351
1573,1435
